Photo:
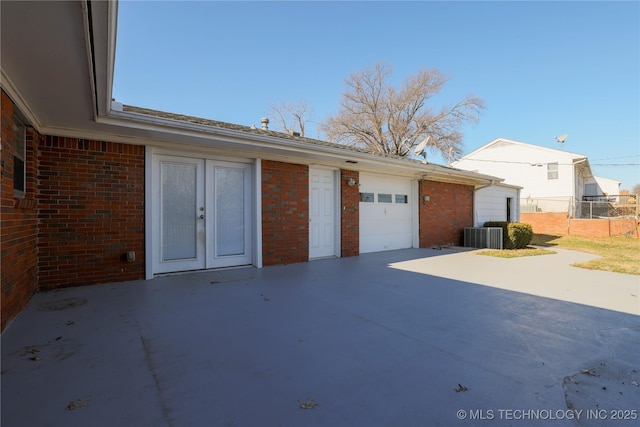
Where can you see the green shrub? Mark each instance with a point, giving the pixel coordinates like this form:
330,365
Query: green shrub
515,235
520,235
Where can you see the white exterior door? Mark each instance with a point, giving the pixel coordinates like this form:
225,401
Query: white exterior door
322,213
386,213
229,214
178,214
201,214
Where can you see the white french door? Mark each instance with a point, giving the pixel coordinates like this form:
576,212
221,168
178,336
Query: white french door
201,214
228,229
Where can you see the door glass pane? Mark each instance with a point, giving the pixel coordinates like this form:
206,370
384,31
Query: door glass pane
230,212
178,211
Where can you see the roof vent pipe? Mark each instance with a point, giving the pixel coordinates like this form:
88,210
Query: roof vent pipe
265,123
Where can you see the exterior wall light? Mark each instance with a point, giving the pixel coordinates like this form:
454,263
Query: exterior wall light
351,182
425,198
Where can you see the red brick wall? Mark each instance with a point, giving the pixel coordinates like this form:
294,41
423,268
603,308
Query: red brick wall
91,211
558,224
285,213
552,223
350,214
18,222
443,218
589,227
603,227
627,227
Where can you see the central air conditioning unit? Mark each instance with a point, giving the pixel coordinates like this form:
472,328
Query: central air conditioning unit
483,237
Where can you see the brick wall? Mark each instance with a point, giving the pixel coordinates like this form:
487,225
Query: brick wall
350,215
443,218
589,227
603,227
18,222
627,227
285,213
558,224
552,223
91,211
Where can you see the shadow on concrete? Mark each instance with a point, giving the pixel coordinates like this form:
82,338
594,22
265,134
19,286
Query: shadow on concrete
339,342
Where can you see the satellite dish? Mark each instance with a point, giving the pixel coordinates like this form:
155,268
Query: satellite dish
419,150
562,138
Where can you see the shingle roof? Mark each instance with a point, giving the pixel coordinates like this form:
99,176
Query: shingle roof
252,130
232,126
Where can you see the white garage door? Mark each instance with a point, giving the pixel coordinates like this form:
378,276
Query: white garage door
386,213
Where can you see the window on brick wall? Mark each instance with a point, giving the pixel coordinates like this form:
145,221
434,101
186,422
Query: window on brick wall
19,157
552,171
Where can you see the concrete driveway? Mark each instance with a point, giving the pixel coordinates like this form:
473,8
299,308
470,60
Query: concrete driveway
416,337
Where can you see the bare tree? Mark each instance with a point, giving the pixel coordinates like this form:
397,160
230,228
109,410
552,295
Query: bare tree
292,116
387,120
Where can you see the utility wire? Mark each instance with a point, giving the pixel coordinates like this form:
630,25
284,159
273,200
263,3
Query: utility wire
615,158
559,164
615,164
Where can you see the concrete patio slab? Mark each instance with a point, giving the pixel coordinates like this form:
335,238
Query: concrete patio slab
405,338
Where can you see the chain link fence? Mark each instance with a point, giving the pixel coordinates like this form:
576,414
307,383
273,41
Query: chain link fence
591,207
546,204
603,209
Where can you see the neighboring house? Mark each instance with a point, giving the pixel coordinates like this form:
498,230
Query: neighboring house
94,191
602,189
551,180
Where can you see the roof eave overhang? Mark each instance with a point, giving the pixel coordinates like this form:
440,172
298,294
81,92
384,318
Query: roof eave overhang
583,163
161,131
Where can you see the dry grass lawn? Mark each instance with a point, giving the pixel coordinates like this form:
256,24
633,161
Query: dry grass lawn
619,254
515,253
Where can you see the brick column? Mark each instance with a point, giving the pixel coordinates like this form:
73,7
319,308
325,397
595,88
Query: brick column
285,213
350,214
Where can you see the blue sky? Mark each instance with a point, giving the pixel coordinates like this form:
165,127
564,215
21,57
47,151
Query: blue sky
543,68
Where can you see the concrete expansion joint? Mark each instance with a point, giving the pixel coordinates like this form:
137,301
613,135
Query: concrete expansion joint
149,363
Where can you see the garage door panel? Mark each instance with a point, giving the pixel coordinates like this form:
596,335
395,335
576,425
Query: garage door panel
383,225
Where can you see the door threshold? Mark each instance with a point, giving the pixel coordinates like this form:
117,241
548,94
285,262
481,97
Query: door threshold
204,270
323,257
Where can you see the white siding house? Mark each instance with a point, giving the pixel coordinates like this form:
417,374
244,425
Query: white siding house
550,180
602,188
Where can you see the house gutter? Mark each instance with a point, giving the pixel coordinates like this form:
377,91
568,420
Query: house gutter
490,184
